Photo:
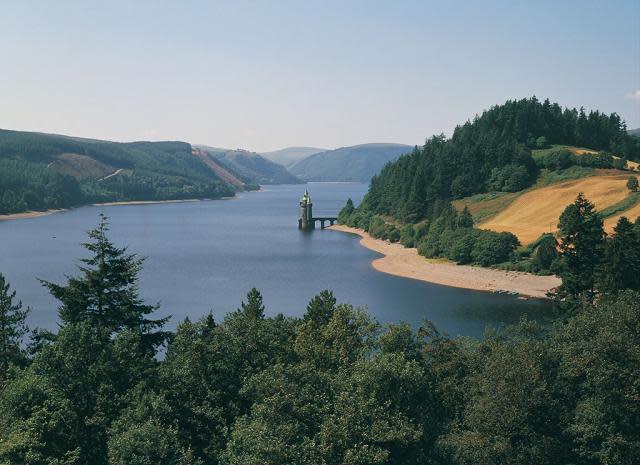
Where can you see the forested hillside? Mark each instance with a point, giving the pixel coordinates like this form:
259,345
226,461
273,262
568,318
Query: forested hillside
492,193
43,171
358,163
252,167
332,387
490,153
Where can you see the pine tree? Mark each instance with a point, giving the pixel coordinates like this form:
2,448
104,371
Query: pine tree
346,212
12,328
106,292
320,308
254,307
581,246
621,269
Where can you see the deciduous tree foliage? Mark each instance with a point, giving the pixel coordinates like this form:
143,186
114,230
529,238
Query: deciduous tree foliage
332,387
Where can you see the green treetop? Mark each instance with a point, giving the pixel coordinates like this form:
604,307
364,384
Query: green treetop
106,292
12,328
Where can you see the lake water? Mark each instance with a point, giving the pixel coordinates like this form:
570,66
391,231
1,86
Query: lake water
206,255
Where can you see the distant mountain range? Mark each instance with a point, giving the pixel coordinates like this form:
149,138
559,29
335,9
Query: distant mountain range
358,163
47,171
290,155
634,132
250,166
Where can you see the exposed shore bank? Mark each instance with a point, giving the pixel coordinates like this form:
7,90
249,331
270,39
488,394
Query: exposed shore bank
35,214
24,215
405,262
149,202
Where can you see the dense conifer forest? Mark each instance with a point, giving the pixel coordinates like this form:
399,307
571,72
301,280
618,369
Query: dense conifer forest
35,175
113,386
492,152
410,200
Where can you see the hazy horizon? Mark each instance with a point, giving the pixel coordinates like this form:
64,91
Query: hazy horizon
263,76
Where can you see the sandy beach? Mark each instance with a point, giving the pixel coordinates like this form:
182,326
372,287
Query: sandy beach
401,261
19,216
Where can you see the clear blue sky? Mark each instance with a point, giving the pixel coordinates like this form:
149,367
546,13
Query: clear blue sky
263,75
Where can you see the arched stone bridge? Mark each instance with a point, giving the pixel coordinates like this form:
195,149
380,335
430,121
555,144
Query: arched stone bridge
324,219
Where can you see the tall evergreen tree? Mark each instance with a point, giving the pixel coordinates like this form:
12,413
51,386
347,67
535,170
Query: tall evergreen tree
621,268
12,328
346,211
581,246
106,292
320,308
254,308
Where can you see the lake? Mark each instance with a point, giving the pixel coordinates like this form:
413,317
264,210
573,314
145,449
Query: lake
206,255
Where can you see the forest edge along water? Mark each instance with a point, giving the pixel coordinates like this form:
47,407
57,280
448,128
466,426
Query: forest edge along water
405,262
206,255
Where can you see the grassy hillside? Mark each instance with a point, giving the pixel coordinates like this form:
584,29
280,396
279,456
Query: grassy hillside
356,163
290,155
531,213
515,168
251,167
42,171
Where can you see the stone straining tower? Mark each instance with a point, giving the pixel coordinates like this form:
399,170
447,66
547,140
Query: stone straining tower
306,221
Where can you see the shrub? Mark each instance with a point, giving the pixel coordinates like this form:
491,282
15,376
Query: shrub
619,163
420,230
407,235
541,142
377,227
392,234
509,178
545,253
429,245
594,160
457,244
556,160
492,247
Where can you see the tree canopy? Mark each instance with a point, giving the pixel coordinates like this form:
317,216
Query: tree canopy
332,387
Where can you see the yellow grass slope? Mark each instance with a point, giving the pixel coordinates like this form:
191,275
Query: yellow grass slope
631,214
536,212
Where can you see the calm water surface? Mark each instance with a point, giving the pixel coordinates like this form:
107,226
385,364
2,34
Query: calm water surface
206,255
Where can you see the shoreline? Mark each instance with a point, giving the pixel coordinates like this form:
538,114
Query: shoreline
405,262
31,214
37,214
149,202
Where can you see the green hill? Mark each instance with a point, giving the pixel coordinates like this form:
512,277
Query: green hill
252,167
634,132
491,153
512,171
290,155
357,163
42,171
